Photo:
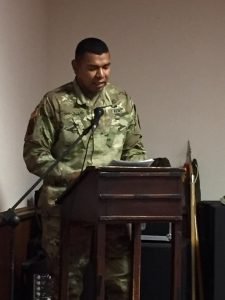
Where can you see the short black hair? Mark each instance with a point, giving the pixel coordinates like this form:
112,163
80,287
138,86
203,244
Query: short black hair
92,45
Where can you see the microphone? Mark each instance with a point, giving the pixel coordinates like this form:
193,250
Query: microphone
98,113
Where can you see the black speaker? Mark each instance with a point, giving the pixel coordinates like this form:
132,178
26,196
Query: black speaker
156,270
211,218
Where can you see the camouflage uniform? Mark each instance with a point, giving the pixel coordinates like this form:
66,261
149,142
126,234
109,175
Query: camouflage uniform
58,120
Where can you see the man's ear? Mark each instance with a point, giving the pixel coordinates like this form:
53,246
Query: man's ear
74,65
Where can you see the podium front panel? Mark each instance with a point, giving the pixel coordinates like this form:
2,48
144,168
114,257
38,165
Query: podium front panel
140,192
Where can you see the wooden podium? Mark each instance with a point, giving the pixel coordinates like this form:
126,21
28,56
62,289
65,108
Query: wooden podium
125,195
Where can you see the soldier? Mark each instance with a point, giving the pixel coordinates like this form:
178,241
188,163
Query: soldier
58,120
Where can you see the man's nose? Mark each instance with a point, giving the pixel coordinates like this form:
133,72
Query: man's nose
100,73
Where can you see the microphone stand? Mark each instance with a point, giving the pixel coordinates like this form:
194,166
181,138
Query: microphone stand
10,217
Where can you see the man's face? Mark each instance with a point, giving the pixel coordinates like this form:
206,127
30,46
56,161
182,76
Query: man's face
92,72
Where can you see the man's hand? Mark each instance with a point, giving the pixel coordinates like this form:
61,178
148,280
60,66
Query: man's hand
72,177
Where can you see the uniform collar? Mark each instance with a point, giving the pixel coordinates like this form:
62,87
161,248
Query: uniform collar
102,96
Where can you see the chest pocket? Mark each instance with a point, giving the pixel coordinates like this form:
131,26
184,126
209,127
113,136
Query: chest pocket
114,126
117,133
72,128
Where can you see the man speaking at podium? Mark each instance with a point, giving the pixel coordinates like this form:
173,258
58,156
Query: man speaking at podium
58,120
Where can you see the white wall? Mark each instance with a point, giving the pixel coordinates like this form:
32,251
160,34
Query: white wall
23,77
168,54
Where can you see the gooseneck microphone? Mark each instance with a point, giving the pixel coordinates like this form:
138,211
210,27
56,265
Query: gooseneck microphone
98,113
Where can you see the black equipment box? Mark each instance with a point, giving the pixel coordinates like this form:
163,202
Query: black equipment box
155,231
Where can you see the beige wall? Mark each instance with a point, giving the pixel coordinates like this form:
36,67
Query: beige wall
168,55
22,80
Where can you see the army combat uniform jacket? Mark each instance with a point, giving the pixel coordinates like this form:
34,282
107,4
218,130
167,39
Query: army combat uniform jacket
59,120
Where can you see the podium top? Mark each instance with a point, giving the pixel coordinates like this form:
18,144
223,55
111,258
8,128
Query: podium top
134,167
121,171
125,194
122,168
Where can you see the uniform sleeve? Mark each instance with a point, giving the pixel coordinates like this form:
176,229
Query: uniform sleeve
40,137
133,148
